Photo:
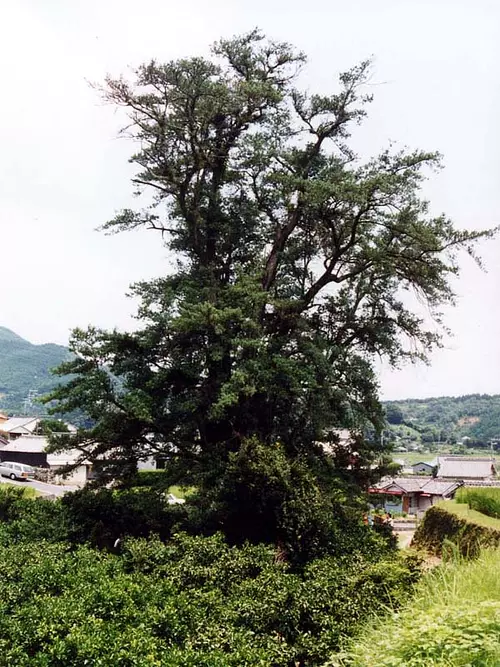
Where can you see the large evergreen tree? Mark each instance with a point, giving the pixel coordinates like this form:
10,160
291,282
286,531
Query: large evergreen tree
293,259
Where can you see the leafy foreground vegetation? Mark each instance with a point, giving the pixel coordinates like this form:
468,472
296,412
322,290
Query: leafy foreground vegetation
183,602
483,499
452,621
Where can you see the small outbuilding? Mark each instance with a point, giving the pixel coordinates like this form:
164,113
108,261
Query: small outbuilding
15,427
424,467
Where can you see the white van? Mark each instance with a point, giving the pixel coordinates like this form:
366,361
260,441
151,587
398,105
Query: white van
16,470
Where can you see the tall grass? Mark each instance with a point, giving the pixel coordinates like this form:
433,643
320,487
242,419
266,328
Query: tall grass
483,499
453,621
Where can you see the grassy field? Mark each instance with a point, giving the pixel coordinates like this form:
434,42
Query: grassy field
464,512
453,621
410,458
483,499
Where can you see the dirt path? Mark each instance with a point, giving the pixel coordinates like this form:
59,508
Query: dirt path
404,538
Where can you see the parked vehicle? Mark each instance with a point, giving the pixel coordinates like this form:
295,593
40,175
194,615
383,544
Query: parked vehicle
16,470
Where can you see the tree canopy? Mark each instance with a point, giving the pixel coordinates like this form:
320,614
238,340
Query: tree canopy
292,260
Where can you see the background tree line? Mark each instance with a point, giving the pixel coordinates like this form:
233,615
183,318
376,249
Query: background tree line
448,419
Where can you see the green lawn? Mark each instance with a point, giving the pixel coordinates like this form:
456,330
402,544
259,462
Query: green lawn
182,491
464,512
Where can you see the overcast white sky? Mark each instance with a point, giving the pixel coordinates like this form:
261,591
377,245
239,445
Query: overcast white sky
63,172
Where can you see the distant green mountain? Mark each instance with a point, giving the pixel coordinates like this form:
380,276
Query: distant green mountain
448,419
25,370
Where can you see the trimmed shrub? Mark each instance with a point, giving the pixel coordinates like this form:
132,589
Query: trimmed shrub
439,525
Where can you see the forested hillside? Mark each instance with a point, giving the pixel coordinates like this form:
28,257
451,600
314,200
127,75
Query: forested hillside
448,419
25,367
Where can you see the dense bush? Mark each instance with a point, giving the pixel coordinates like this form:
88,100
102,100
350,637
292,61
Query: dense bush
158,479
95,517
452,621
308,512
181,601
482,499
9,496
100,517
191,601
439,525
313,526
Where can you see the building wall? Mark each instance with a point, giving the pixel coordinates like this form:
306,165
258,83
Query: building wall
424,502
77,477
422,468
394,505
35,459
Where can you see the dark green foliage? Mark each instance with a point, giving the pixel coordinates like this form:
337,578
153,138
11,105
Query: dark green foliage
301,505
24,366
95,517
157,479
47,426
184,602
393,414
484,500
30,521
439,526
193,601
9,496
103,516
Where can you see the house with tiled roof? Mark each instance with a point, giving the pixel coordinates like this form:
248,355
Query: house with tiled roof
466,468
413,495
15,427
424,467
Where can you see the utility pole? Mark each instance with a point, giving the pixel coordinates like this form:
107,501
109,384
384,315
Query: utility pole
28,401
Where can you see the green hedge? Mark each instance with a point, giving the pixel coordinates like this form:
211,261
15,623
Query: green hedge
158,479
484,499
439,525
